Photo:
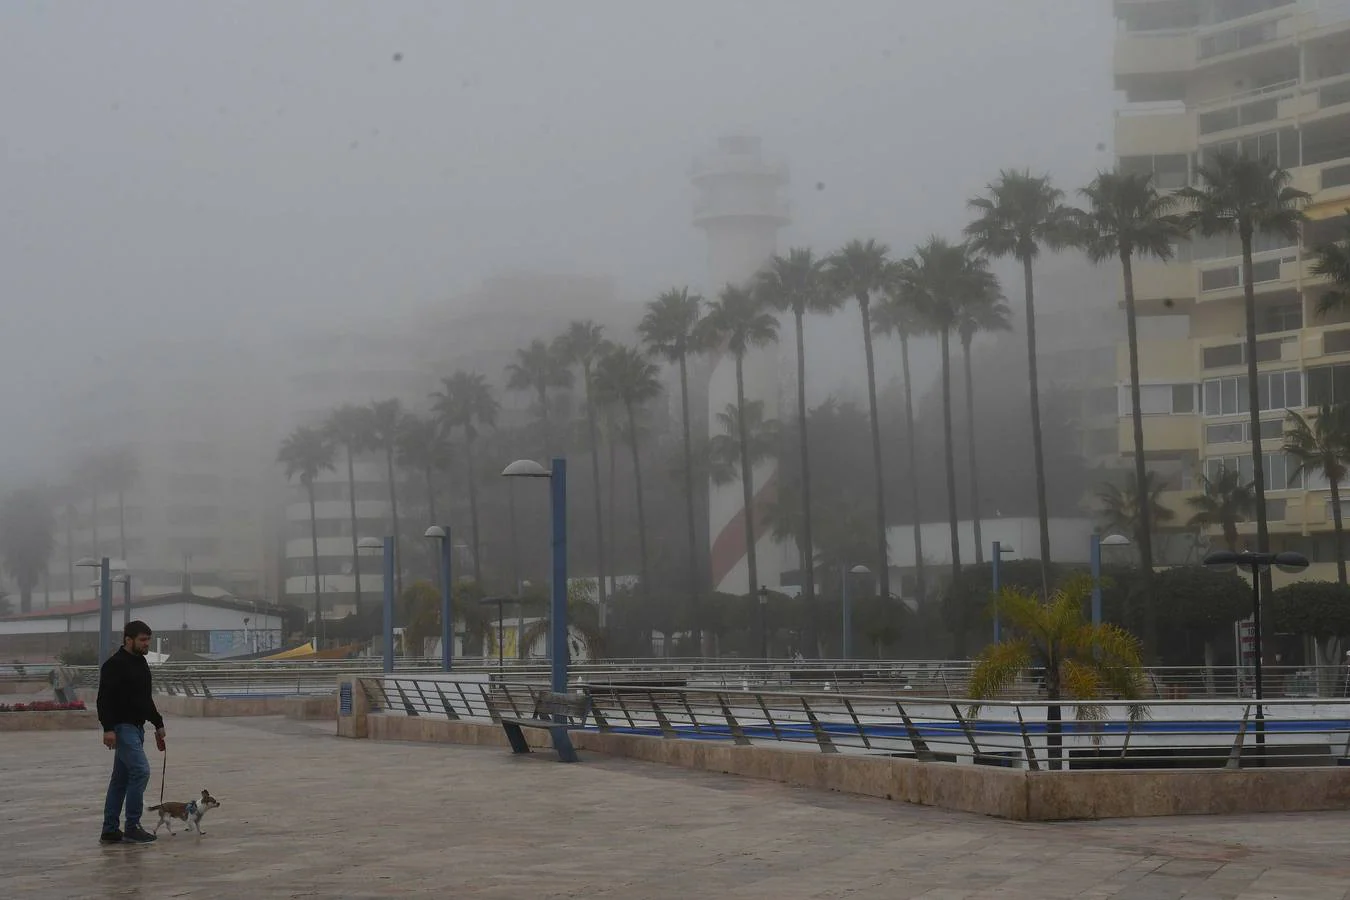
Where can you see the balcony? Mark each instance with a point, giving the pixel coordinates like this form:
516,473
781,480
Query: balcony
1154,54
1163,433
1222,279
1159,361
710,208
1162,281
1147,130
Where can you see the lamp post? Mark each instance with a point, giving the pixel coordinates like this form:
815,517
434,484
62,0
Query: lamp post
846,644
995,561
386,547
762,595
557,624
1254,563
1095,556
500,603
124,579
104,603
441,534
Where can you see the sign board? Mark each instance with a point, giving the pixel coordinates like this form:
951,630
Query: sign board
345,699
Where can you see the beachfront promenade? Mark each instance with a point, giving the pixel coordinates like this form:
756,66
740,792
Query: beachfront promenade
305,814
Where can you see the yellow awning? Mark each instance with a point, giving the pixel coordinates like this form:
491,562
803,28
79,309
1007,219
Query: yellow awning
301,652
1329,210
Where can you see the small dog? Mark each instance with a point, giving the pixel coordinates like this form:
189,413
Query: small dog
191,812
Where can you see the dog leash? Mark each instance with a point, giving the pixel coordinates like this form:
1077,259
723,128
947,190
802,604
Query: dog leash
164,771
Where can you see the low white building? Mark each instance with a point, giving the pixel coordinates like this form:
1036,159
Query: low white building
219,627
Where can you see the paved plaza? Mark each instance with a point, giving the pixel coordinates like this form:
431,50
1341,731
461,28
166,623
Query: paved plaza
306,814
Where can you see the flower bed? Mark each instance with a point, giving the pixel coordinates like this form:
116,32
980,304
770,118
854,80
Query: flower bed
46,715
41,706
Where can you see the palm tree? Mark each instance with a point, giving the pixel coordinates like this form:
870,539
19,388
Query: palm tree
737,320
465,401
899,314
1244,196
1226,500
1079,660
763,437
89,477
933,282
796,284
582,345
1333,261
1122,509
27,540
540,367
1020,214
668,329
981,309
1323,445
305,453
386,423
117,472
858,270
623,376
349,426
423,448
1127,217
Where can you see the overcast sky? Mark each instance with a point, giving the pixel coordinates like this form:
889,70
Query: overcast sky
173,167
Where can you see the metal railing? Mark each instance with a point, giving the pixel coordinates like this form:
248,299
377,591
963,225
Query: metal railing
1030,735
923,678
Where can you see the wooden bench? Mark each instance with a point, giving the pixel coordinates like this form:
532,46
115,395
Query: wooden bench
556,714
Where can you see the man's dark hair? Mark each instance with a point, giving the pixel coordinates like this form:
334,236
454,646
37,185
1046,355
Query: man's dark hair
135,629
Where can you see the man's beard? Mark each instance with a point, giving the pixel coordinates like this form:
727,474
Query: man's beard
136,648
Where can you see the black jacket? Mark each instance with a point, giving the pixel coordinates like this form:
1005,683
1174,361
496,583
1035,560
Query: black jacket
124,692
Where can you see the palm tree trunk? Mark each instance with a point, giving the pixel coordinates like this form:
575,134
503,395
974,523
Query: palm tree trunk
975,511
473,506
807,546
1258,460
1054,738
356,551
70,551
944,342
1336,523
694,556
613,479
547,437
314,549
598,501
883,561
93,520
393,505
1042,510
920,578
1143,536
642,520
515,535
122,524
431,496
747,483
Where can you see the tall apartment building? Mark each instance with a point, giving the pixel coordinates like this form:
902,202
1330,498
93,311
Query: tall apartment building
1263,77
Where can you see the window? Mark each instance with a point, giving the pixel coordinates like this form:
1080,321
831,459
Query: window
1159,399
1239,116
1220,279
1227,355
1285,315
1281,472
1281,146
1235,39
1240,432
1276,390
1170,170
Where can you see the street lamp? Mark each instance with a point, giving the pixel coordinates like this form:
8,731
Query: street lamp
557,476
386,546
441,534
104,604
763,596
124,579
1224,560
1095,557
500,603
995,562
846,644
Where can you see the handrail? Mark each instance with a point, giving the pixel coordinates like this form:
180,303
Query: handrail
1028,734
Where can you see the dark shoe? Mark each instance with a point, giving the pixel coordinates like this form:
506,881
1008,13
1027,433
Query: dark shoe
110,837
138,835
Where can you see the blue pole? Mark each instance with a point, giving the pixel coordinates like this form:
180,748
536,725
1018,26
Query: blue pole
388,605
447,610
104,610
558,604
996,559
1095,554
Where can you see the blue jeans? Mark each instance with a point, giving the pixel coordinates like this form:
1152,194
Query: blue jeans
130,775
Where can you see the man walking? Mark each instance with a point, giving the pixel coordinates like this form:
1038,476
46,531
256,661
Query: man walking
124,706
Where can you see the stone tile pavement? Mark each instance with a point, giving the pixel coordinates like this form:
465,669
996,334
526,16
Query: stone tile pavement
306,814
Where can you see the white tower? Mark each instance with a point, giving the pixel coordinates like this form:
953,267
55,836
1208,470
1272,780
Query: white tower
740,207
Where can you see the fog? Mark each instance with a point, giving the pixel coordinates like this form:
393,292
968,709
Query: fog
251,168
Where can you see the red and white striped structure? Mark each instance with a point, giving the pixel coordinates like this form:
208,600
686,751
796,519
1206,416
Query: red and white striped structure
740,208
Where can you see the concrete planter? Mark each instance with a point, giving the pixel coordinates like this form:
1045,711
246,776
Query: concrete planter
53,720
